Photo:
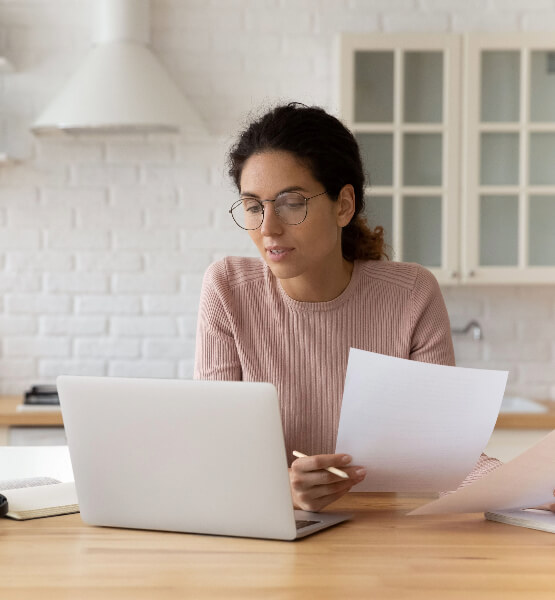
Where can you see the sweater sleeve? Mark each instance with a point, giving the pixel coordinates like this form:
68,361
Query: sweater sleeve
432,342
431,332
216,355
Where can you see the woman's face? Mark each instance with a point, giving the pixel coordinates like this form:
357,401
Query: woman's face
298,249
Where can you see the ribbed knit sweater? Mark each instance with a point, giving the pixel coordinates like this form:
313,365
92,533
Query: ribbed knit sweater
250,329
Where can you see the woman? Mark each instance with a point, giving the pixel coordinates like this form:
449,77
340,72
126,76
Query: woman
324,285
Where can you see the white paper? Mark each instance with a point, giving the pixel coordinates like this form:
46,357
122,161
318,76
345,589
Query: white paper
526,481
42,496
416,426
19,462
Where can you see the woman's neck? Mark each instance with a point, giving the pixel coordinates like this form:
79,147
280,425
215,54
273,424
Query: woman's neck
320,285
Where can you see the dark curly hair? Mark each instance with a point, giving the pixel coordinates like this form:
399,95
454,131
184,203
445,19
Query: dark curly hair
329,150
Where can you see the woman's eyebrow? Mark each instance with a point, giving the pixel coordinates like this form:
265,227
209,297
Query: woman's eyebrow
291,188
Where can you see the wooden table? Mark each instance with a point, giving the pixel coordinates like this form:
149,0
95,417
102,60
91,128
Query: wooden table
381,554
11,417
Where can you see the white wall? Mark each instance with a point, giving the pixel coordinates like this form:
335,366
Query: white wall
103,241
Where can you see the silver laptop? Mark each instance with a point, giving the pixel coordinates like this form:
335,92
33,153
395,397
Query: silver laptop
176,455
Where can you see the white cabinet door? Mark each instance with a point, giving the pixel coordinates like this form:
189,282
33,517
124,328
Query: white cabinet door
506,444
400,96
508,183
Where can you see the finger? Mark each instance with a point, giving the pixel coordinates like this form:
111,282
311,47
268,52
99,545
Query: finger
321,491
315,496
321,461
307,479
320,503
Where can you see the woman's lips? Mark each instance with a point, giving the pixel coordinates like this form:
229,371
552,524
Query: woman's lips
278,254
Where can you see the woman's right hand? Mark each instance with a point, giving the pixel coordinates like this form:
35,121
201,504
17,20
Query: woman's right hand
313,487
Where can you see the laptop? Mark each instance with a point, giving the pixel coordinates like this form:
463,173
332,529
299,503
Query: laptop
188,456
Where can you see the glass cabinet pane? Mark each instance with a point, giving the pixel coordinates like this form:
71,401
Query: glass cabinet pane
500,86
542,231
422,230
422,159
377,156
542,158
374,87
423,92
379,211
498,231
542,101
499,159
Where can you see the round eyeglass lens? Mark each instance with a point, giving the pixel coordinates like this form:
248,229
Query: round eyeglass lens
248,213
291,208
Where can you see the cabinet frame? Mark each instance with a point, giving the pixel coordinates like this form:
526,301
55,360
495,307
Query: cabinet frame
461,128
471,190
451,47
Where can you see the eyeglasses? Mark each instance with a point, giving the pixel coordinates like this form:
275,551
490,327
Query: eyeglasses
290,207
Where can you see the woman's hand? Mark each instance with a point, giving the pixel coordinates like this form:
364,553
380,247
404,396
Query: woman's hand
313,487
547,506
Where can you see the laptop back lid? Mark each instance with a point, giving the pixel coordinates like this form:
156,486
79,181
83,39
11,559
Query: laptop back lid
178,455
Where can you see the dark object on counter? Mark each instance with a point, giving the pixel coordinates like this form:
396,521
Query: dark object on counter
3,506
42,394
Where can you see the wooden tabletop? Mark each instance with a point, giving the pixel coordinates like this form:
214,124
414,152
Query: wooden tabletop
9,414
381,554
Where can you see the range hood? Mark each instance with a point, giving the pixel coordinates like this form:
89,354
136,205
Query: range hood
120,87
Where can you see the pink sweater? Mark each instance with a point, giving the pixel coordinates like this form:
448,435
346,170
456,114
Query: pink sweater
250,329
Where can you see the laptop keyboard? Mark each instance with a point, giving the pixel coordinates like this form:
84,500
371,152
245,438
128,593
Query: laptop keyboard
301,524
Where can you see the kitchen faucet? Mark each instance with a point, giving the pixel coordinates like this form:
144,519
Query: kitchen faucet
472,325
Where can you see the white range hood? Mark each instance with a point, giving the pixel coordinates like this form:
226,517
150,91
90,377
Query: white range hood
120,87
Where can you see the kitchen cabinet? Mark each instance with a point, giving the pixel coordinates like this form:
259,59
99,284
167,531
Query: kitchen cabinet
400,96
515,432
459,151
508,190
506,444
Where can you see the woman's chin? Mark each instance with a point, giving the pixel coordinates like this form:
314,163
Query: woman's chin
283,270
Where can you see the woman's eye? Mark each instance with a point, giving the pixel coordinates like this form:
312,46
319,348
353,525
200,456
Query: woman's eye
292,202
252,207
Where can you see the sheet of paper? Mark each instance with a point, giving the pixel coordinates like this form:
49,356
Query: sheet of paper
42,496
524,482
18,462
416,426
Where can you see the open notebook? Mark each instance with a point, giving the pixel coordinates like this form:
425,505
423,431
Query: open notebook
36,497
526,517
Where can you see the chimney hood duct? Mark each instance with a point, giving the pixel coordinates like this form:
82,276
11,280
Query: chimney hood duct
120,87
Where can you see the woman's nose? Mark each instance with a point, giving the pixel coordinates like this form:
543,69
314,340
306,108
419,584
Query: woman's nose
271,225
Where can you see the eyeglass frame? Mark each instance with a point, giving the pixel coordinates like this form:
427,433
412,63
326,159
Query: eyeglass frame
240,201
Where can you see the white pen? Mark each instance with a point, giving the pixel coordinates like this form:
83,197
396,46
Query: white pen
330,469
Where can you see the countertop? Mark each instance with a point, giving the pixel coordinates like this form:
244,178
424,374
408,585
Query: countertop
10,416
544,420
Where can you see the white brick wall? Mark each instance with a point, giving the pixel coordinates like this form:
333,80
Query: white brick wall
104,240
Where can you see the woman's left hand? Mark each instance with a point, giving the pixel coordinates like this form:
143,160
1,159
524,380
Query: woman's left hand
548,506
